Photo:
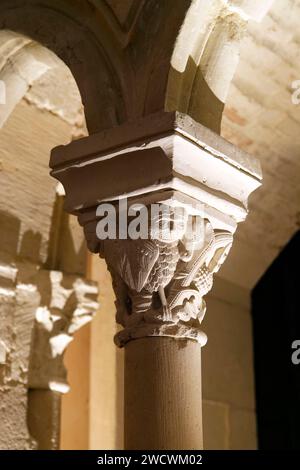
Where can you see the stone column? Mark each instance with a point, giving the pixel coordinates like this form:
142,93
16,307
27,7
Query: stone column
168,193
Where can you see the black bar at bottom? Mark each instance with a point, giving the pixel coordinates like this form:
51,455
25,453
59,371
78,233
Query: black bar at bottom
134,459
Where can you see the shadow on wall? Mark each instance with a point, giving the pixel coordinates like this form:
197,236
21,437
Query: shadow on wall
11,245
66,248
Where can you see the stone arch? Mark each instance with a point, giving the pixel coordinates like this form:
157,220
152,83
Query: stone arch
142,57
65,30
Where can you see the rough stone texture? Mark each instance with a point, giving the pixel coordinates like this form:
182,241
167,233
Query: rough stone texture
13,425
260,118
16,317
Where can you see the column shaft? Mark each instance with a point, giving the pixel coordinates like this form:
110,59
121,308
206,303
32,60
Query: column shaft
163,394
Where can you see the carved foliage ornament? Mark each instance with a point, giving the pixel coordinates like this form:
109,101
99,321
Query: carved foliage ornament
160,282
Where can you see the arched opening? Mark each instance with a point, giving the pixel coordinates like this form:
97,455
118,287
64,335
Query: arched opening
43,255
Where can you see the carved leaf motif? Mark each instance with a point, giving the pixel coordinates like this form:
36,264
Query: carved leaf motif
133,260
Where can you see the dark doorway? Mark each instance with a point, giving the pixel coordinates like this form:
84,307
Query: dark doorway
276,324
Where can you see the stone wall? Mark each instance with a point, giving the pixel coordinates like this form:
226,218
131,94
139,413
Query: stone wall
229,419
43,296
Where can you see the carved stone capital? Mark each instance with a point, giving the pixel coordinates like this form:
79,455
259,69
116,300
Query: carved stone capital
201,183
160,282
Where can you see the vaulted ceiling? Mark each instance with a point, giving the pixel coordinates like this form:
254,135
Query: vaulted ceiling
261,118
